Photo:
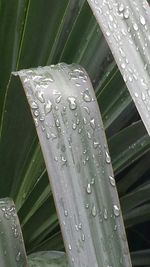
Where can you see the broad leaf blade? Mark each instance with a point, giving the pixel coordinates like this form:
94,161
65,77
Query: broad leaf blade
74,146
126,28
12,251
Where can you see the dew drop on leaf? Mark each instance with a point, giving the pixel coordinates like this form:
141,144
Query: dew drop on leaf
34,105
72,102
105,214
89,189
112,180
18,256
92,123
121,7
86,96
69,246
94,211
108,160
142,20
116,210
74,126
58,99
66,213
39,96
48,107
83,237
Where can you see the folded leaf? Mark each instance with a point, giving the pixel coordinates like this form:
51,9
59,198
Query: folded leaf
73,142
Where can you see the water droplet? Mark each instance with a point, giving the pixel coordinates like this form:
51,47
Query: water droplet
66,213
80,226
122,52
111,18
72,102
95,144
48,107
92,123
69,246
112,181
58,99
64,160
87,110
18,256
87,206
143,96
126,14
83,237
142,20
108,160
89,135
115,227
92,181
94,211
86,96
135,26
121,7
57,122
136,94
39,96
123,65
36,122
74,126
80,130
77,121
108,33
34,105
53,136
116,210
89,189
50,77
56,159
105,214
36,113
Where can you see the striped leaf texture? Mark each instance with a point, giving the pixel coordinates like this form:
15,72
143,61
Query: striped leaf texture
126,27
72,138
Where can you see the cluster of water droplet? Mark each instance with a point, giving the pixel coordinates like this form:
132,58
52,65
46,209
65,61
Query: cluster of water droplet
127,31
64,117
8,218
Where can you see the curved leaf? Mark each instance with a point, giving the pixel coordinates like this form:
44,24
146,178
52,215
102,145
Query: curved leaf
73,141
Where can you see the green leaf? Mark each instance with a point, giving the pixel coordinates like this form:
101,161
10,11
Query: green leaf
48,259
135,198
134,175
54,242
136,216
11,27
73,142
134,142
125,26
12,251
114,101
141,258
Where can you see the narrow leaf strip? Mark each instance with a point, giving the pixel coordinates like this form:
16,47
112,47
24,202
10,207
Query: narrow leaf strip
70,130
12,251
126,26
